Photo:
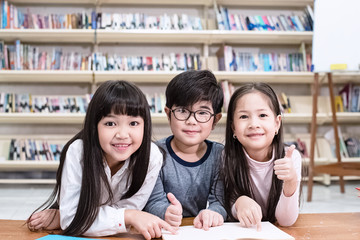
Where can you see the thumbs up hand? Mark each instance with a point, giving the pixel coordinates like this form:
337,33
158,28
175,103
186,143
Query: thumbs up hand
173,214
284,167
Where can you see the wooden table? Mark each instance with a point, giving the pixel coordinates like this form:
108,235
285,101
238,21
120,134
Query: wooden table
343,226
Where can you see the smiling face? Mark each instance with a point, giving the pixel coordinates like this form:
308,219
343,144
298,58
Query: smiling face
191,132
255,124
120,136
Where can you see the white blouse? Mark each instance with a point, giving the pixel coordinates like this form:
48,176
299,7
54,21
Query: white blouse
110,219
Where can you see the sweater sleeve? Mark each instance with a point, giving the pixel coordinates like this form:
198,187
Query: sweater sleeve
216,196
157,203
287,209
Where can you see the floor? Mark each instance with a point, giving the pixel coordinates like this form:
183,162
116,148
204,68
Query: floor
18,201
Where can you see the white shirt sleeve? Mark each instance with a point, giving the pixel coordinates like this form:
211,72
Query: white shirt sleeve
110,220
287,209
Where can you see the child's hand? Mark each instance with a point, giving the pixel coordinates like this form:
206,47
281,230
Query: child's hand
248,212
173,214
48,219
147,224
207,218
284,168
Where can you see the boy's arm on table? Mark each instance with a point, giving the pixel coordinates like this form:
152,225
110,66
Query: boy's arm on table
216,197
158,202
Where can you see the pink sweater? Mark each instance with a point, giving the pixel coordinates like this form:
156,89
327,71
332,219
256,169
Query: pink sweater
287,209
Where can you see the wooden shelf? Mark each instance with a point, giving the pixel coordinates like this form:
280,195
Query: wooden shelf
48,76
28,165
266,3
260,37
234,77
345,77
346,117
349,160
269,77
153,36
42,118
135,76
202,37
82,36
44,2
27,181
159,2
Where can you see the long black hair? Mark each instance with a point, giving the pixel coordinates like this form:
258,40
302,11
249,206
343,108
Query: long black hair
118,97
235,168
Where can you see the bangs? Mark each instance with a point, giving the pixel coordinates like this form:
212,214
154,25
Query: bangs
128,108
123,99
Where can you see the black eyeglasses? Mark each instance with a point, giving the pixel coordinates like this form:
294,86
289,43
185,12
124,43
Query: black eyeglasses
183,114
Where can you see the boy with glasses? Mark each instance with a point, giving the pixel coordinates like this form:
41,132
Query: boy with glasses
187,181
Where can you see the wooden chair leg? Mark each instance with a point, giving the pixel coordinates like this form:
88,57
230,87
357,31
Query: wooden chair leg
310,185
313,136
342,184
335,126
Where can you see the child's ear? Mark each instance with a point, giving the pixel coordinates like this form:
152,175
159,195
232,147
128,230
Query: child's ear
217,118
167,111
278,122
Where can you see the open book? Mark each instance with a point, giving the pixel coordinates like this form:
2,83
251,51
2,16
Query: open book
228,231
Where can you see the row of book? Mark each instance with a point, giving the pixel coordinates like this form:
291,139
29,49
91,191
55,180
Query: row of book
348,99
119,21
12,18
349,144
30,149
228,89
27,57
171,62
282,22
156,102
229,60
300,145
28,103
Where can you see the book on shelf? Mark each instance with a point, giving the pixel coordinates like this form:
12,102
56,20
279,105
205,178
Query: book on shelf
353,146
284,101
156,102
14,18
27,57
228,90
170,62
27,149
330,137
28,103
231,60
350,98
239,22
300,145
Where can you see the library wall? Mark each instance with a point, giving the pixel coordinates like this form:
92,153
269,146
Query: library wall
111,45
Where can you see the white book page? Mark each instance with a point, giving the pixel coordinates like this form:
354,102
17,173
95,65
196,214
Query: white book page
228,231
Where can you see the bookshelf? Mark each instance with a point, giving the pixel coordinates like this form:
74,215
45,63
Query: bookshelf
205,41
